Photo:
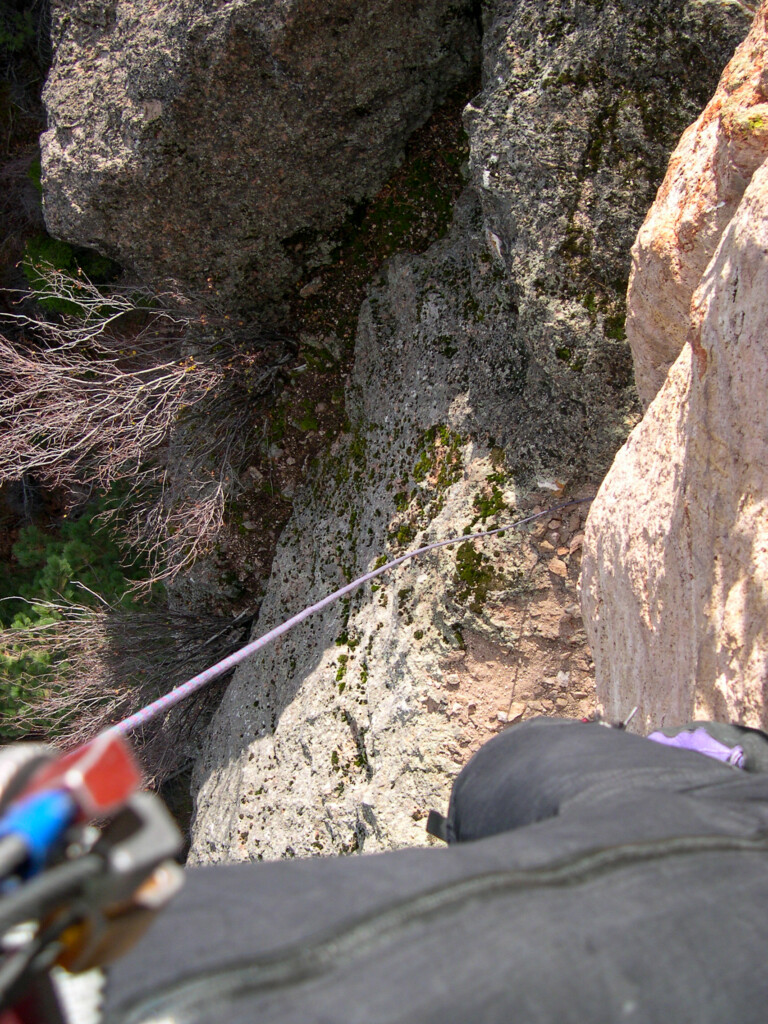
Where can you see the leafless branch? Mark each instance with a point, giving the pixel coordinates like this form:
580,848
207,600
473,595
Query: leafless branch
107,663
134,388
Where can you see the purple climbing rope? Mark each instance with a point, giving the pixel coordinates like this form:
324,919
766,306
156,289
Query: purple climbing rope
177,695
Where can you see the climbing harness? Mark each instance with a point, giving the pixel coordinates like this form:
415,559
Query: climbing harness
74,896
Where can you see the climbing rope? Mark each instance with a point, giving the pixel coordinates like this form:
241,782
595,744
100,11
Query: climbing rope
197,682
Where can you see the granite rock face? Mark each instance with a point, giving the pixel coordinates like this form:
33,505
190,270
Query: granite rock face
212,143
490,372
570,137
707,175
344,734
676,572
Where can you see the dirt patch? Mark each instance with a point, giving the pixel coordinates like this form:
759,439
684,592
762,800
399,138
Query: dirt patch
547,669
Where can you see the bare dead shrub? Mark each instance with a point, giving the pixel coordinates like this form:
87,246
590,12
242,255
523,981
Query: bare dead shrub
105,663
134,387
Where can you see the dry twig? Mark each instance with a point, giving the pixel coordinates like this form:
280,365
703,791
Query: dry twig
107,663
134,388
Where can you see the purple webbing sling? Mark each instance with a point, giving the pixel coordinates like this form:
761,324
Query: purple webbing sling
700,741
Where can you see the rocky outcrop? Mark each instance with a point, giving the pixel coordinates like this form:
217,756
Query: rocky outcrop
212,143
344,735
708,173
490,373
581,106
675,572
675,581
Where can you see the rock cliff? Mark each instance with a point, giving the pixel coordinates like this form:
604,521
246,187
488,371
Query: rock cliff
675,571
214,143
570,139
341,737
707,175
490,372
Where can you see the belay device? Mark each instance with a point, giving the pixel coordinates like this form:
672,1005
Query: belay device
75,896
